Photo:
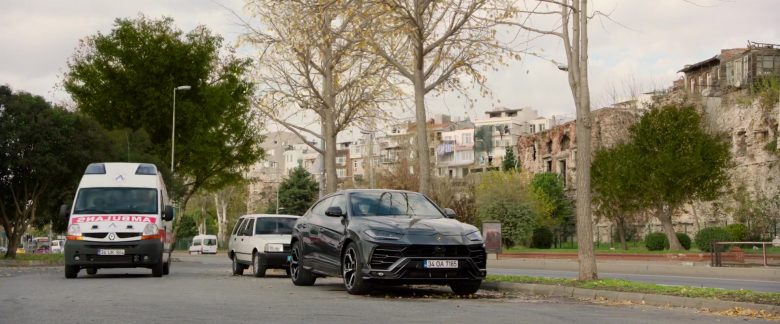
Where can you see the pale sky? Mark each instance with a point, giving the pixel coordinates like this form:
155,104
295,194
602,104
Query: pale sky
650,42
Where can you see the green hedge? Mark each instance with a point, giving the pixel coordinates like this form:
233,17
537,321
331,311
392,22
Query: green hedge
542,238
656,241
709,235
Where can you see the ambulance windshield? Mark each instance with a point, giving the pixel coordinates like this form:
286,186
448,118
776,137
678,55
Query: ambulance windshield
116,201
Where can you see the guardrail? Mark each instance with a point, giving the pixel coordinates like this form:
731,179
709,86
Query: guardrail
716,260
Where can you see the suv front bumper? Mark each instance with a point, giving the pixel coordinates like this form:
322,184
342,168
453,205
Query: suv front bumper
84,254
408,264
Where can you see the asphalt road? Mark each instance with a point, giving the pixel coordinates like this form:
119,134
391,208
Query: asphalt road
725,283
201,290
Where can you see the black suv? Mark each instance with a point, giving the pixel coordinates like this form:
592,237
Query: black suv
370,237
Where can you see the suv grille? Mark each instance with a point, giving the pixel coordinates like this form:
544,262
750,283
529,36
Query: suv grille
385,255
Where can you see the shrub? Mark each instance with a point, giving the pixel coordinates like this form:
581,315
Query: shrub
709,235
656,241
542,238
738,232
684,239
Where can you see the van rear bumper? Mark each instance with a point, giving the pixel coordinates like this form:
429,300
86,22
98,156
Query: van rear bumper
137,254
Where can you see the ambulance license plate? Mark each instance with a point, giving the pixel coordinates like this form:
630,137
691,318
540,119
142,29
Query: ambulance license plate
440,264
111,252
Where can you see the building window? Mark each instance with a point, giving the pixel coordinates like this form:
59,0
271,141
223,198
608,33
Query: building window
340,160
533,128
562,170
548,165
466,138
541,127
355,164
341,173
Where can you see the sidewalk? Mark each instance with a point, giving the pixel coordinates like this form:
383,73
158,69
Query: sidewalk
643,267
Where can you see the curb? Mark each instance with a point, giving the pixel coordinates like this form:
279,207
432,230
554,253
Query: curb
29,263
637,298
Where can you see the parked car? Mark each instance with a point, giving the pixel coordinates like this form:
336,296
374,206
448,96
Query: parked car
371,237
3,249
204,244
262,242
56,246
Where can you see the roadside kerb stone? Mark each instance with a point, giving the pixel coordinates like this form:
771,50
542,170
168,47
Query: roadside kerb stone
30,263
636,298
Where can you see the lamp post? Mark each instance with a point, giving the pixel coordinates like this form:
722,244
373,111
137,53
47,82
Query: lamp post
173,122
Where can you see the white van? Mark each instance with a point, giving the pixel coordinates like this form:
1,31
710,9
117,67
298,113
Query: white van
120,218
56,246
204,244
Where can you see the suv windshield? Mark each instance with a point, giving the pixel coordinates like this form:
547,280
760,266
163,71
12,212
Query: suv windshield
392,204
274,225
116,200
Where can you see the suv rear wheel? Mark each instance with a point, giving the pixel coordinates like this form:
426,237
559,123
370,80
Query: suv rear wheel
351,271
299,275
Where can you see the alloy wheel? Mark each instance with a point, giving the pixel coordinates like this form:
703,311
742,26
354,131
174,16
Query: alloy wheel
294,263
348,268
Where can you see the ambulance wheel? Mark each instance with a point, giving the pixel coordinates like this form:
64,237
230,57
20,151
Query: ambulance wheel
157,269
92,271
71,271
167,268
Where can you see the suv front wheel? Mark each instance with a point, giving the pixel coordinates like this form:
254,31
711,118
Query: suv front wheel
351,271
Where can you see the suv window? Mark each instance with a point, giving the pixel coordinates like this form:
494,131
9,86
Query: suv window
319,209
248,229
238,225
339,201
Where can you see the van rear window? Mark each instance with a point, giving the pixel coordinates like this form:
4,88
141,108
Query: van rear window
116,201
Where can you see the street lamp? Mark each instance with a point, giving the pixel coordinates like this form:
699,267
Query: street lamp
173,121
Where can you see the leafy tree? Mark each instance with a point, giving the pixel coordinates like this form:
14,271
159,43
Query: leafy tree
555,207
616,186
678,162
504,197
297,192
509,162
43,153
125,80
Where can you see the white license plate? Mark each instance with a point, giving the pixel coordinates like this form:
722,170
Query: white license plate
111,252
440,264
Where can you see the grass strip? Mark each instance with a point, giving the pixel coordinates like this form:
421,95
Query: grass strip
53,257
648,288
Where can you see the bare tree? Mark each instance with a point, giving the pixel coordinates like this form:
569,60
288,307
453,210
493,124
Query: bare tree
222,200
432,44
573,32
312,61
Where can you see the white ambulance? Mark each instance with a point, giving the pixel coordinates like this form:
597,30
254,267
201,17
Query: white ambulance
120,218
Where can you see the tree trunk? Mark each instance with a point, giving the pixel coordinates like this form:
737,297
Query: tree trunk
665,216
422,130
13,243
622,233
220,205
578,81
331,176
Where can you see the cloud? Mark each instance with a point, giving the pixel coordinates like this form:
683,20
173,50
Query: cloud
659,37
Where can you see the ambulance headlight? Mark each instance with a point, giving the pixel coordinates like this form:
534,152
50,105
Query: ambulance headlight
74,230
150,229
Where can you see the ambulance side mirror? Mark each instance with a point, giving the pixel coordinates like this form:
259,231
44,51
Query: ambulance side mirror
65,211
168,213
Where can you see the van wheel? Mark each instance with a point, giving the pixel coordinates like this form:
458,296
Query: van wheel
157,268
92,271
258,266
167,268
71,271
237,268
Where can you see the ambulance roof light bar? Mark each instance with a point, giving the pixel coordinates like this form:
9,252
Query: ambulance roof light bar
95,168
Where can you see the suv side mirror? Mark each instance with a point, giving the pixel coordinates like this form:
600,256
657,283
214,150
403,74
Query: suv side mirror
168,213
65,211
334,211
449,213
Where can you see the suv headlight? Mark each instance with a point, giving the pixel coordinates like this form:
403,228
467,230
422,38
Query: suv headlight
274,247
383,235
150,229
474,236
